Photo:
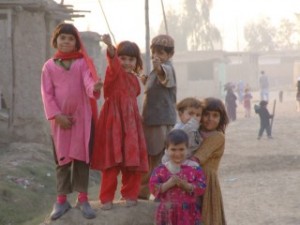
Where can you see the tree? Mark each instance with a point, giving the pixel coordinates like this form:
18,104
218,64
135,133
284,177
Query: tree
260,35
285,35
191,27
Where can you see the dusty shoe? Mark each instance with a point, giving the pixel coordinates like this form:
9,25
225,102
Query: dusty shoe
86,209
107,206
59,210
130,203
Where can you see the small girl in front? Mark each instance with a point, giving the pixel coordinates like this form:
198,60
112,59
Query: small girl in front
67,89
119,142
176,185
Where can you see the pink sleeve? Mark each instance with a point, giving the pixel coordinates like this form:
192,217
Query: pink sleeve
200,182
155,183
50,106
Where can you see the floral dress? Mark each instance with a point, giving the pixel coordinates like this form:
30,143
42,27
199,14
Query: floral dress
178,207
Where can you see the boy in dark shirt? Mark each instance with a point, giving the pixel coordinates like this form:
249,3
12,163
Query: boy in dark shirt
265,117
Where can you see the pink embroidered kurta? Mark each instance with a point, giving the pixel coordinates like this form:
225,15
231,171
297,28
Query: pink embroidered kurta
68,92
119,139
178,207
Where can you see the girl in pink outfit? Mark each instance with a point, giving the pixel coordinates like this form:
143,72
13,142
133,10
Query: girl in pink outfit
177,186
67,87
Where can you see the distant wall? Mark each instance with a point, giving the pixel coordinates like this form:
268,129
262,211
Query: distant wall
29,56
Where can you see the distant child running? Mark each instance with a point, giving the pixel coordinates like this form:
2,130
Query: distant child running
189,111
67,88
247,102
119,142
159,113
213,124
265,117
176,185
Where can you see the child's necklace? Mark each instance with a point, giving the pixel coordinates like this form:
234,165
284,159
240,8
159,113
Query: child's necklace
65,64
173,168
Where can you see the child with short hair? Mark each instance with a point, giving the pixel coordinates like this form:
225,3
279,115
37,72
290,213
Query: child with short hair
159,113
189,112
67,88
176,186
119,142
265,117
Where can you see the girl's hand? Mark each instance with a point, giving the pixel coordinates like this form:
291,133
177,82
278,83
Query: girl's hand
106,39
183,184
143,78
65,122
110,48
173,181
98,86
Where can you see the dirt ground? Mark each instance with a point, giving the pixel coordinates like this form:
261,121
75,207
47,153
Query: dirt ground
260,179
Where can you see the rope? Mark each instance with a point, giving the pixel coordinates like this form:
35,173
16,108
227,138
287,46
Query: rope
107,24
164,14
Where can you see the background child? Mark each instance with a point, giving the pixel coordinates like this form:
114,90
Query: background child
176,186
120,143
67,85
189,111
159,113
213,123
265,117
230,102
298,95
247,102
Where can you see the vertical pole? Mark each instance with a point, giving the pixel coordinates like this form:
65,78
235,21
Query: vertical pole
147,41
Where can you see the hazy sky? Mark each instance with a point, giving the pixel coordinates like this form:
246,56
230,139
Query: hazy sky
127,21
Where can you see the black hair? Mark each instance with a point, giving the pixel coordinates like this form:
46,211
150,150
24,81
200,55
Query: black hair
263,103
176,137
65,28
131,49
215,104
160,48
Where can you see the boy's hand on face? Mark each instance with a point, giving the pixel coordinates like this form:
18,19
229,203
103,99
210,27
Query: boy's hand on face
156,63
65,122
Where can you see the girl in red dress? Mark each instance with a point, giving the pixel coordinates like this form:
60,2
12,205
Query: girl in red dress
120,142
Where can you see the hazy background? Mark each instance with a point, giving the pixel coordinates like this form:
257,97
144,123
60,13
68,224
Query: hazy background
126,17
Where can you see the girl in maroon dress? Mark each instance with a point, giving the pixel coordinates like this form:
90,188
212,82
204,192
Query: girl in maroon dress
176,185
120,142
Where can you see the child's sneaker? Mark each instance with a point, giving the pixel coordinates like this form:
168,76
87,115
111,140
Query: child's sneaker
107,206
59,210
86,209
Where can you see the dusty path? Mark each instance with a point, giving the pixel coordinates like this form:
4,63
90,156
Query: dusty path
261,178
